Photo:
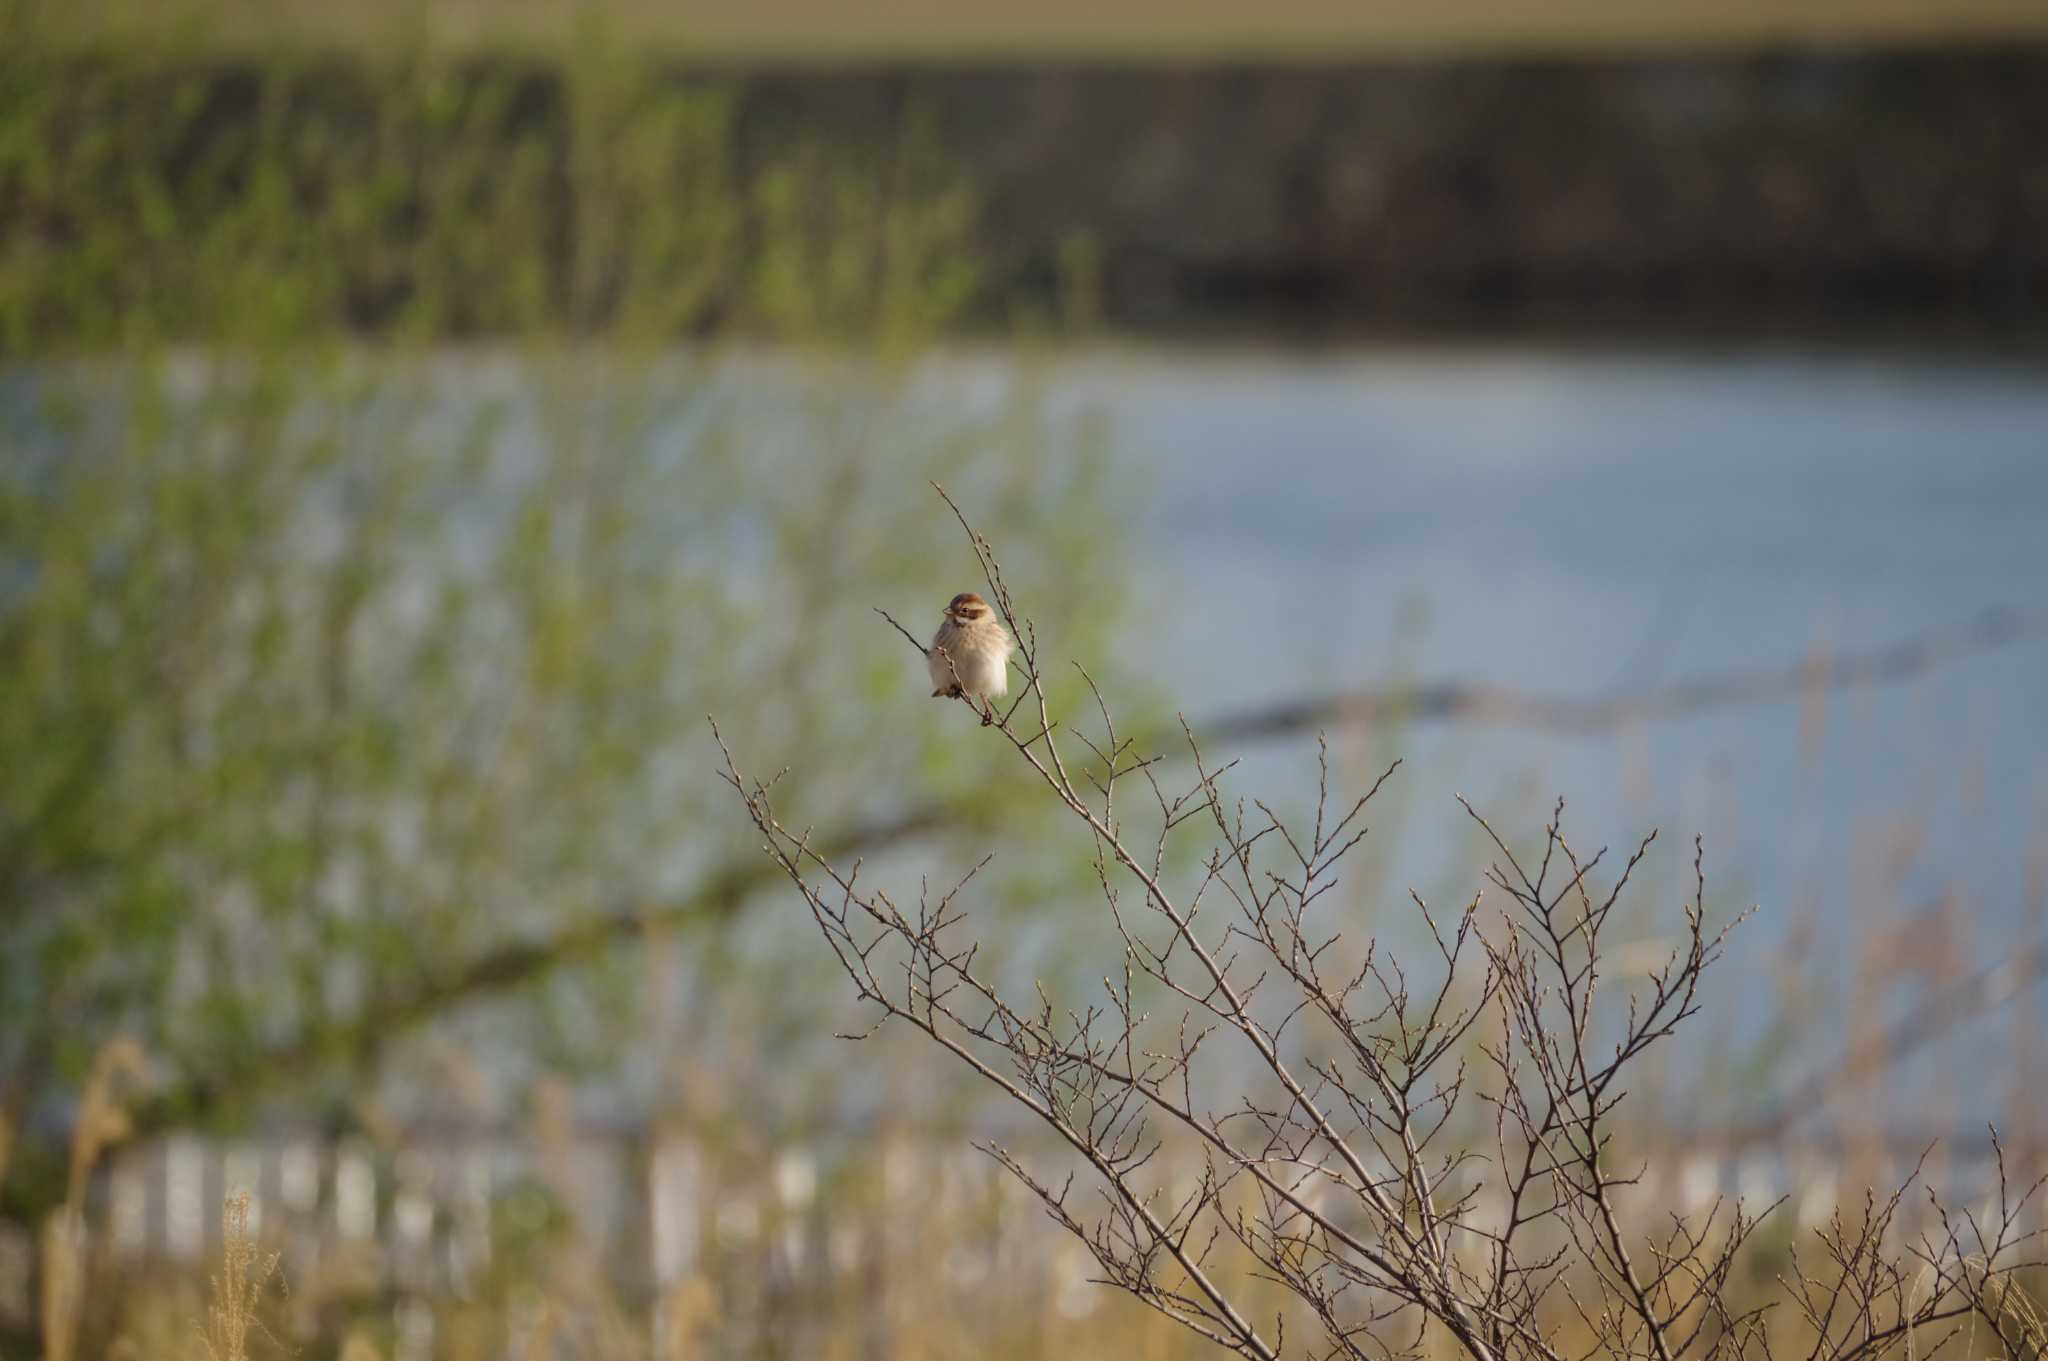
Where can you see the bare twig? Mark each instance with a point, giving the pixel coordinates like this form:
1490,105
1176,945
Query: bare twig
1345,1166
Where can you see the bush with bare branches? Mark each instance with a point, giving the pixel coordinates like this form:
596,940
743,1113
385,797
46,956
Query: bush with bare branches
1408,1153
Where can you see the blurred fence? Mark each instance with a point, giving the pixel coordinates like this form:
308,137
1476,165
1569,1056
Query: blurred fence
799,1250
656,1209
785,1244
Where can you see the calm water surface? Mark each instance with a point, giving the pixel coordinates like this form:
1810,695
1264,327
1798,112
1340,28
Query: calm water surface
1583,525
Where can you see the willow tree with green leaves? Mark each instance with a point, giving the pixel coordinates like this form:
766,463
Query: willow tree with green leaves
381,508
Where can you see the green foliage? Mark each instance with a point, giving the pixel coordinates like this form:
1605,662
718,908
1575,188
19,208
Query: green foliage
353,679
149,196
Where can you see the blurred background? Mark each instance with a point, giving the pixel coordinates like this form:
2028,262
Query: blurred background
417,415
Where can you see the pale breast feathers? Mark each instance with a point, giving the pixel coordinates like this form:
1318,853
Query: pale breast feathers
973,658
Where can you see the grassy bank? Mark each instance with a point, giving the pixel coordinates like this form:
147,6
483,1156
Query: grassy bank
937,30
154,195
221,186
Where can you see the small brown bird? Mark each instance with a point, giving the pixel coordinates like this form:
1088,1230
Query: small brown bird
970,654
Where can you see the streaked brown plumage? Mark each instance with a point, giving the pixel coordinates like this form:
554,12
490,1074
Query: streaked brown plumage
970,653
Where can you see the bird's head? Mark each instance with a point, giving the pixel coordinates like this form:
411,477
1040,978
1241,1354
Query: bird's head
968,608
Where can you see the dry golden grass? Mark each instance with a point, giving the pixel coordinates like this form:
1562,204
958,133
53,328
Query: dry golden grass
64,1249
102,1119
245,1273
913,1293
66,1241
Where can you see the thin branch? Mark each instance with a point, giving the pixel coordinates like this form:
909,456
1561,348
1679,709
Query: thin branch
1334,1167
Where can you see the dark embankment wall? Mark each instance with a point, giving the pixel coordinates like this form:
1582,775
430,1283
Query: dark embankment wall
1832,193
1883,193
